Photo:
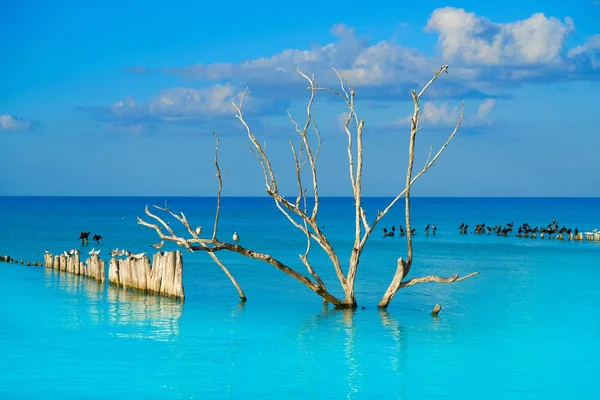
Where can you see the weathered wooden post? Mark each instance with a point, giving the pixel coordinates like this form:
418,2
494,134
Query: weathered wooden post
570,236
113,271
48,260
95,268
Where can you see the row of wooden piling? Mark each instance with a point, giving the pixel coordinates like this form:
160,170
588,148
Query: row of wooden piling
9,259
164,276
581,236
93,267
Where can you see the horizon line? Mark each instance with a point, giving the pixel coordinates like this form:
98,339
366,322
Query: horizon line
308,197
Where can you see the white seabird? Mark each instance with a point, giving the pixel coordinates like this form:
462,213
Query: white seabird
138,256
198,230
158,245
236,237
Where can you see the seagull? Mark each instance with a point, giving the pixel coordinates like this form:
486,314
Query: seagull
95,253
115,252
198,230
126,253
158,245
138,256
72,252
91,252
47,251
236,238
65,254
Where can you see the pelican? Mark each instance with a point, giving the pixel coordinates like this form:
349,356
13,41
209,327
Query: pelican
158,245
198,230
236,238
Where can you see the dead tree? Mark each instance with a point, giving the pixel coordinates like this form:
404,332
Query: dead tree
297,211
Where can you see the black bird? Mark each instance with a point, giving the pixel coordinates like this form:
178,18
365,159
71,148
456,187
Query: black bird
427,229
83,236
434,228
462,225
386,233
97,238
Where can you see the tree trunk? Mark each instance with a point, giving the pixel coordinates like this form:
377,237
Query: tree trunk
394,285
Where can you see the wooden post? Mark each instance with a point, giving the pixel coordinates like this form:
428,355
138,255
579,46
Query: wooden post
48,260
95,268
113,271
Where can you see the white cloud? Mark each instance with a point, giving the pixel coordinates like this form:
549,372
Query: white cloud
484,58
10,123
473,39
588,53
436,114
179,105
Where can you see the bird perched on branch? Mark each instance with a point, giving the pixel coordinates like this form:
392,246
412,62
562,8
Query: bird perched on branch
236,237
198,230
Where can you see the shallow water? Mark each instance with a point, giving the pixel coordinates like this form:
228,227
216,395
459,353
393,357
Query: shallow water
526,327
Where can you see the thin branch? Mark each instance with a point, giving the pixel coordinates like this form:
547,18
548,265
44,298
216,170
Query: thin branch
218,210
439,279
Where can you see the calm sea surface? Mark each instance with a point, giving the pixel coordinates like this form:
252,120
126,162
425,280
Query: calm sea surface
527,327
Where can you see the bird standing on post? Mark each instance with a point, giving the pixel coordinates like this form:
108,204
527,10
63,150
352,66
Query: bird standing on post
236,238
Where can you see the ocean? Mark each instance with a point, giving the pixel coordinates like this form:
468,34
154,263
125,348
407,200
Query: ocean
525,327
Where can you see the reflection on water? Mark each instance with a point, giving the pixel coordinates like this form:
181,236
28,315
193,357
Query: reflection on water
128,313
154,317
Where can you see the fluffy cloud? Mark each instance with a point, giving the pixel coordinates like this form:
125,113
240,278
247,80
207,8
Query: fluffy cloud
472,39
439,115
10,123
484,57
178,105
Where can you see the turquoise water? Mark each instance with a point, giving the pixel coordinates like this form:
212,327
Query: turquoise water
526,327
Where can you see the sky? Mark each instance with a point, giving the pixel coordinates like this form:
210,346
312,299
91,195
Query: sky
122,97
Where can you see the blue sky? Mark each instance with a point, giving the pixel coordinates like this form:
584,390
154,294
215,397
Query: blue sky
120,98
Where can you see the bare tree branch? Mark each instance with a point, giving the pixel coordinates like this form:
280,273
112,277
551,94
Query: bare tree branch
218,210
404,267
434,278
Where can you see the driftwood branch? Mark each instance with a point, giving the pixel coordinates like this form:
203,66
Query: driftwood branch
435,278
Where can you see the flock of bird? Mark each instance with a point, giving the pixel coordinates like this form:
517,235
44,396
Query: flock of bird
402,232
523,230
84,237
